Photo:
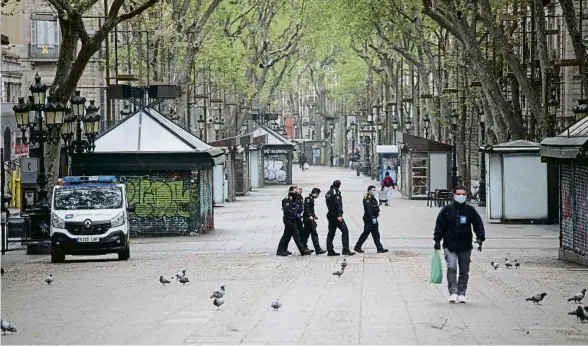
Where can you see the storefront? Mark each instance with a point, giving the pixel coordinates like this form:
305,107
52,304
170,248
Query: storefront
425,166
569,153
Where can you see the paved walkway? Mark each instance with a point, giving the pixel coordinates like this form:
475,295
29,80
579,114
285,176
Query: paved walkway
381,298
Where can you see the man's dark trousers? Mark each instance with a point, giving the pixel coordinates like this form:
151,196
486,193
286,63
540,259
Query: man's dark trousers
333,225
374,230
310,231
290,231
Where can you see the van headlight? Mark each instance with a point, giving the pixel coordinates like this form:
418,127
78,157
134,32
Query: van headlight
57,222
118,220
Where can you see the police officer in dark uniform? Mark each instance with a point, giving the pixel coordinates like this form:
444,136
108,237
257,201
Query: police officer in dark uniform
371,211
290,190
299,222
309,219
335,218
292,211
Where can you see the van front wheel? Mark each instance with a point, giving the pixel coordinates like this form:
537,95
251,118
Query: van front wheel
57,256
125,254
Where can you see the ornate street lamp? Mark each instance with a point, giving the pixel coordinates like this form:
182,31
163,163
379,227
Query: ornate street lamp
482,188
454,118
407,124
71,132
395,128
427,123
30,118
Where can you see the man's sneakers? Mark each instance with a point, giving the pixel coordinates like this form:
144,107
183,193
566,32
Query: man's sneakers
455,298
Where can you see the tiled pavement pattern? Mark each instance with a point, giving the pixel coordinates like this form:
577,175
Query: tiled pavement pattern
381,298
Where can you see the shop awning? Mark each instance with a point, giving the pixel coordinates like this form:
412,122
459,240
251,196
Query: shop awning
571,144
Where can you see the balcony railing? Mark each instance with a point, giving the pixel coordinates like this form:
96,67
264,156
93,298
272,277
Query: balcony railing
43,52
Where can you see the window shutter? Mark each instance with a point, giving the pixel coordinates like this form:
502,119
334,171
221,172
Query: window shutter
41,33
51,33
33,32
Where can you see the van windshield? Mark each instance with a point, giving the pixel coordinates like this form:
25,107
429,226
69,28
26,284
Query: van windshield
87,197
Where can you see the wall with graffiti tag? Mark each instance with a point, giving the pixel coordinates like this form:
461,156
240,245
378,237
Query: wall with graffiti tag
170,203
277,166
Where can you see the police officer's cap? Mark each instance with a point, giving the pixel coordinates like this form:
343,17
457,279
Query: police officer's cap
315,190
337,183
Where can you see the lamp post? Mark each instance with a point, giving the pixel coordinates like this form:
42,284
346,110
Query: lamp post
427,123
380,127
395,128
53,120
331,157
552,105
454,118
407,124
482,188
72,134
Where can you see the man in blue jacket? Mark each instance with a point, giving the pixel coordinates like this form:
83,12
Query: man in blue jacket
454,227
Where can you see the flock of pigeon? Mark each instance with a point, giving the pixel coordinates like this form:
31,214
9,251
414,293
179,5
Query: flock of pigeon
217,296
580,312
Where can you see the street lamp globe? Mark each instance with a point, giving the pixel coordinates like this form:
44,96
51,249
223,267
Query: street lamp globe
92,120
201,122
78,104
454,117
54,112
217,125
39,91
427,121
21,112
380,125
68,127
552,103
332,126
395,123
407,124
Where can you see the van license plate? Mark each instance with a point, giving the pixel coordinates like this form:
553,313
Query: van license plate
88,240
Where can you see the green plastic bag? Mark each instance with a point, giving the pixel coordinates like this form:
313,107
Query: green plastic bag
436,268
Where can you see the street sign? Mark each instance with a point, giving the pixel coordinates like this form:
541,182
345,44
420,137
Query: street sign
29,164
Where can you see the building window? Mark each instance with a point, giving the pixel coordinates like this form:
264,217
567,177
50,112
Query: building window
44,31
11,91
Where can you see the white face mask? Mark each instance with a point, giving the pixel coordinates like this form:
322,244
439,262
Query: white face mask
460,198
374,193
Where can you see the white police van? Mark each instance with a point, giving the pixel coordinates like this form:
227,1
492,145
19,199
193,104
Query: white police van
89,216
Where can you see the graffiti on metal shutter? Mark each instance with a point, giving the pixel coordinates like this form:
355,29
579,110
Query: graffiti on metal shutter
275,162
163,205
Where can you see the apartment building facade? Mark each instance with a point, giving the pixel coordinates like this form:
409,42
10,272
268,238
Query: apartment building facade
31,28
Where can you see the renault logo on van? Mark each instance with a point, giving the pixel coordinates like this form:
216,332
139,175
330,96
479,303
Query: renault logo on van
88,223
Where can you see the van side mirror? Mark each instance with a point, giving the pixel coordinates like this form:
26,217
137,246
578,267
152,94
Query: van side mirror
131,207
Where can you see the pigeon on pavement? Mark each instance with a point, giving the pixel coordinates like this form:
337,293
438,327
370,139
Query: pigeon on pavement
218,293
537,298
344,264
184,280
276,304
163,280
2,271
49,280
494,264
7,327
218,302
580,313
517,264
339,272
507,263
577,298
180,274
